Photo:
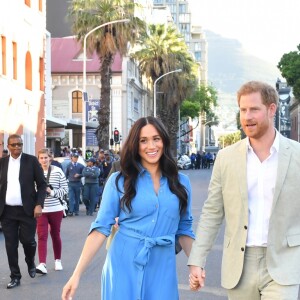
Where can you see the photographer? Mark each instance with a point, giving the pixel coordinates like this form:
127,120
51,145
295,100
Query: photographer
52,213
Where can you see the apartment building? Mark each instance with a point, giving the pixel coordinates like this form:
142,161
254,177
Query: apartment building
193,35
22,69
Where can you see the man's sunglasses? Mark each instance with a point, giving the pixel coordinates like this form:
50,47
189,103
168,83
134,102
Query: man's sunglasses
14,145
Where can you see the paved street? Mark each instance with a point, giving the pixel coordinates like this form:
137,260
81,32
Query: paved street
74,230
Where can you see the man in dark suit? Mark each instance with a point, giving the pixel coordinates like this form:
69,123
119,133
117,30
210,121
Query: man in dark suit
22,194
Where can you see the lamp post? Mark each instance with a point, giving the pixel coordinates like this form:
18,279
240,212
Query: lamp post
154,89
84,94
203,126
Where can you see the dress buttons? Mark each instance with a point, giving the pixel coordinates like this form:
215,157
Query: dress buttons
243,249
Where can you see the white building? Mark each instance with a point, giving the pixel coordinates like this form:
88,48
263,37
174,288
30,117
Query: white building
22,72
129,94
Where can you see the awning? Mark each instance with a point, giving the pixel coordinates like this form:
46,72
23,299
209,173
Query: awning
77,124
52,122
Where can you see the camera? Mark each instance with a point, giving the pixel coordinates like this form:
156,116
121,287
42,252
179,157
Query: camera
51,188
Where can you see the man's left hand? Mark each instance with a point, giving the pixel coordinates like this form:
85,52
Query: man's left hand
37,211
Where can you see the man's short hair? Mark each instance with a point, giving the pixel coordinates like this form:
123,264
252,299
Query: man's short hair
268,93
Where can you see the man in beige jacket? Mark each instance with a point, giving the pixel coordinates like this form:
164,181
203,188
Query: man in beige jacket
255,187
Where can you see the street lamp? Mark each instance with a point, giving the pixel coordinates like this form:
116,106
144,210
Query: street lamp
154,88
84,94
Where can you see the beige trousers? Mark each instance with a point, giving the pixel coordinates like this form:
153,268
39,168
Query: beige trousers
257,284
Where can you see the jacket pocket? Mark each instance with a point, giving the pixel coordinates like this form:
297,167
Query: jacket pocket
293,240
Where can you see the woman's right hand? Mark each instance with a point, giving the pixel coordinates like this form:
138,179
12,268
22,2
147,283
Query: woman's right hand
70,288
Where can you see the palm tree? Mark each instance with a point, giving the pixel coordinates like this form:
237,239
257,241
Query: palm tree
107,42
161,49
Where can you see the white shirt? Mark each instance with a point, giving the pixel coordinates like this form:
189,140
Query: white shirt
261,181
13,192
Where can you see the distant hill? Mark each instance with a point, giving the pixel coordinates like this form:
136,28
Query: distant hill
229,66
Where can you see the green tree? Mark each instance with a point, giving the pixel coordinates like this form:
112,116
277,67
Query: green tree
203,100
161,49
239,125
289,66
229,139
107,41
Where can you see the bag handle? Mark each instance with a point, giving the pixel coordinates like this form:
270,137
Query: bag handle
48,174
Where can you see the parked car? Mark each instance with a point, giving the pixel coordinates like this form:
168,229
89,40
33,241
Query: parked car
184,162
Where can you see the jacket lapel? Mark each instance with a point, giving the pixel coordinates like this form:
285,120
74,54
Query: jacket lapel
284,158
241,169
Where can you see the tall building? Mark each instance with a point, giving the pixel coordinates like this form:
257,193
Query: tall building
22,72
196,41
193,35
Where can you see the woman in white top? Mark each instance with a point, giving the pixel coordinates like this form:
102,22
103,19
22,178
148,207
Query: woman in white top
52,212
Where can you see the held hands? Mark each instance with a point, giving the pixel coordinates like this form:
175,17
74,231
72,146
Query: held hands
196,278
70,288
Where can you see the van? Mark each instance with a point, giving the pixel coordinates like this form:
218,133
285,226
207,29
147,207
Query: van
212,149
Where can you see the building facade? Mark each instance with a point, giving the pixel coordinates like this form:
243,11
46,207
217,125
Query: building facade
129,95
22,72
195,39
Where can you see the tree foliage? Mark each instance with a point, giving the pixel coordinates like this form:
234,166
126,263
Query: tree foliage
107,42
229,139
289,66
161,49
204,100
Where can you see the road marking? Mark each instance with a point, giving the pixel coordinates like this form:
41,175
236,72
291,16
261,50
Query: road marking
206,289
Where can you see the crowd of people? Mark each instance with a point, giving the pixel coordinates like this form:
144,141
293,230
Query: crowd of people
254,188
202,160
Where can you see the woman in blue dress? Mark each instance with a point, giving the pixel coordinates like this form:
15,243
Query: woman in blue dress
153,203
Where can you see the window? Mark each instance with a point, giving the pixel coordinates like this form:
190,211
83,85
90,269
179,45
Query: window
28,71
197,46
136,105
197,55
76,102
3,47
184,18
42,78
182,8
15,65
40,5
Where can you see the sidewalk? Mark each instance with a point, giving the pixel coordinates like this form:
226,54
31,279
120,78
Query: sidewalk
49,287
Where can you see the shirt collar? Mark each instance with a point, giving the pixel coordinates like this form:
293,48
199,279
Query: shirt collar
15,159
274,147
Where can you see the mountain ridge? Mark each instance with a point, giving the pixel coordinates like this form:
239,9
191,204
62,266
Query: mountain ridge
230,66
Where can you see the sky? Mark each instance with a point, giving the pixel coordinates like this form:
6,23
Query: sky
266,28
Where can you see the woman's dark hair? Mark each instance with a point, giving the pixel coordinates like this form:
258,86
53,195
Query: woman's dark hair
130,164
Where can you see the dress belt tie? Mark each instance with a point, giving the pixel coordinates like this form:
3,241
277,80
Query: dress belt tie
143,256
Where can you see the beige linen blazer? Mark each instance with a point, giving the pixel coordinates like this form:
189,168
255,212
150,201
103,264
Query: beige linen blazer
228,198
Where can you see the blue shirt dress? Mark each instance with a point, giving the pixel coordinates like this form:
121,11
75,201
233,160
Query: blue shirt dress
141,261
